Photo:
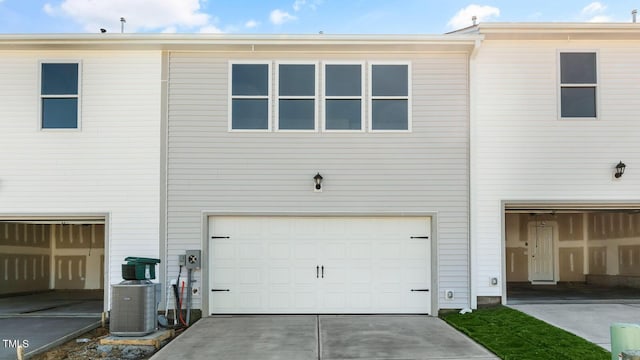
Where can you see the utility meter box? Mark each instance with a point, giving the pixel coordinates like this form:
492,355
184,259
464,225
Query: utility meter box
193,259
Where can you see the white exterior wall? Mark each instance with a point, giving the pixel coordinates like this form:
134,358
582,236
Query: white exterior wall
112,165
426,170
521,151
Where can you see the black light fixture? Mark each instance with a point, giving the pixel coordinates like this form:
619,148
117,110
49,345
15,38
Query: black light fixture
620,169
318,181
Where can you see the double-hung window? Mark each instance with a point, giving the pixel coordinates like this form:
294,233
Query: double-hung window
250,100
59,95
578,85
343,105
296,105
390,105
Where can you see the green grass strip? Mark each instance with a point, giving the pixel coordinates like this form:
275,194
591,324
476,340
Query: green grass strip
513,335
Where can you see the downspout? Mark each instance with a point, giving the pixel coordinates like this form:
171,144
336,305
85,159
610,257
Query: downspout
163,224
473,301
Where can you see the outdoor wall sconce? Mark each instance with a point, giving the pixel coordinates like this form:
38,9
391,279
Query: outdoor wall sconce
620,169
318,182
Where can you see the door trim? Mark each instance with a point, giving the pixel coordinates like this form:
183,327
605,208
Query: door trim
204,221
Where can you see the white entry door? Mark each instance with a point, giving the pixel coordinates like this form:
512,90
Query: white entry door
541,253
301,265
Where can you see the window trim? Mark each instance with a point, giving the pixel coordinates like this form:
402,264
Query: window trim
231,97
560,85
362,97
277,97
371,98
77,96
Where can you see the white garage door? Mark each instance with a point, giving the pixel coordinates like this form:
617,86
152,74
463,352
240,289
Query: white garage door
299,265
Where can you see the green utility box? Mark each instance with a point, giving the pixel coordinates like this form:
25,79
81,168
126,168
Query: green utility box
624,337
139,268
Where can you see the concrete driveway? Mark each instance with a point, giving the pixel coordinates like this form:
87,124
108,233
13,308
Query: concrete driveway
314,337
589,321
44,320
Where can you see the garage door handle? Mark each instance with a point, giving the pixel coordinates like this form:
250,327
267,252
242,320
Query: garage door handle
213,290
317,271
419,289
322,271
419,237
220,237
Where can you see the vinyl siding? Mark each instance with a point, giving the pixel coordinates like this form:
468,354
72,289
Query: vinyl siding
522,151
426,170
111,165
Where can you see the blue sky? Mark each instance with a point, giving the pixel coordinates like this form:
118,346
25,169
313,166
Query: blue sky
294,16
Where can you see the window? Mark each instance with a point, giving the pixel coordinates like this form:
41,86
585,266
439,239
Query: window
578,83
343,85
59,96
296,107
390,108
250,105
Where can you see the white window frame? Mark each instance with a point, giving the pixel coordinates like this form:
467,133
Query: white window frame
268,97
277,96
77,96
561,85
408,97
362,96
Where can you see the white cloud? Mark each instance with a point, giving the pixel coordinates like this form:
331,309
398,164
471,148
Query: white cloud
298,4
311,4
536,15
279,17
463,17
593,8
251,24
47,8
170,30
140,14
210,29
601,18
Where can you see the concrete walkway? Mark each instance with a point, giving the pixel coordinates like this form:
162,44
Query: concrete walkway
311,337
589,321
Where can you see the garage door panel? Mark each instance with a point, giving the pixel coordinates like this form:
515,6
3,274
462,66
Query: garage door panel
223,250
250,276
279,250
251,301
388,250
414,249
250,250
270,264
279,276
360,275
332,250
305,299
306,250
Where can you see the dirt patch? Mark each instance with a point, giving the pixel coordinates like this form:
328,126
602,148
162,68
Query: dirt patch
87,346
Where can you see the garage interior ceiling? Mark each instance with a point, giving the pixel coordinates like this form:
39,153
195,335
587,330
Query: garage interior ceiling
54,220
557,208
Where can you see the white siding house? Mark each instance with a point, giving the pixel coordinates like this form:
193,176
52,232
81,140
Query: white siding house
98,163
321,173
547,131
251,121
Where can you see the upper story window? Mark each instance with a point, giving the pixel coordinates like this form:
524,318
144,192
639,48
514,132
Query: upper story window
343,84
59,95
390,108
578,85
250,105
296,106
297,98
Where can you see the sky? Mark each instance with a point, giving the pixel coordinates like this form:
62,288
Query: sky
294,16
